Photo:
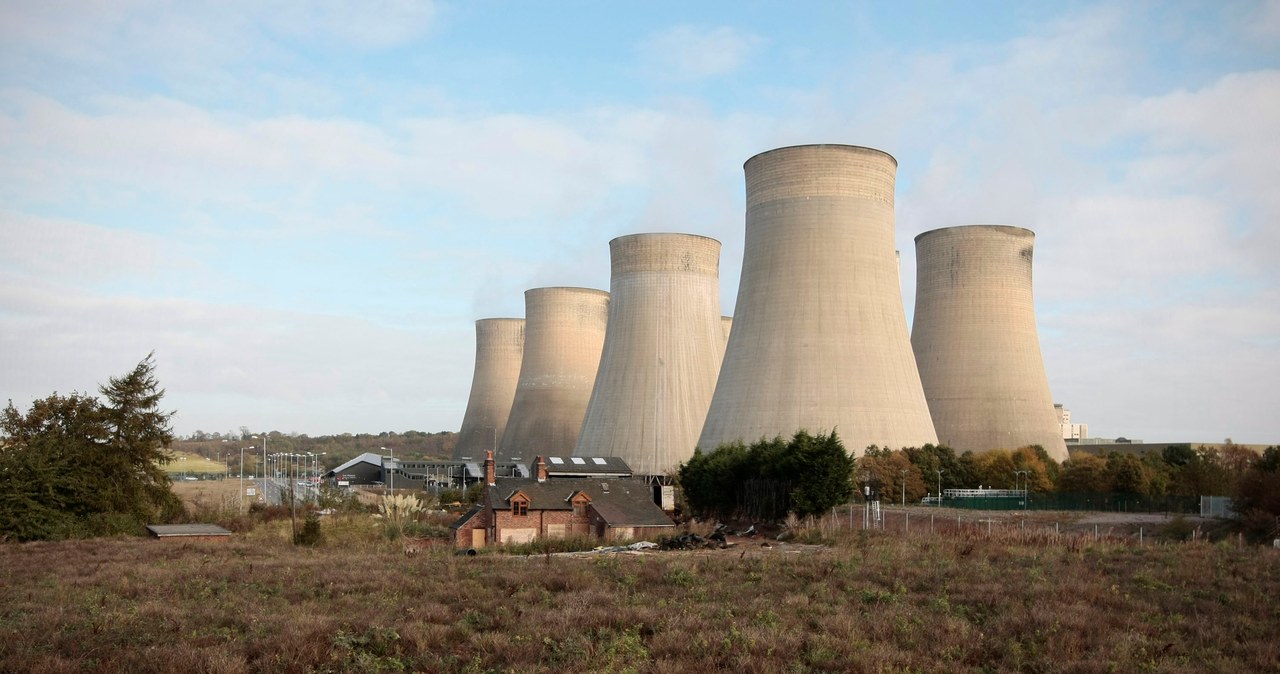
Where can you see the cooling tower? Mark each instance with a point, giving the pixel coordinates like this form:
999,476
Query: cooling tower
819,337
975,341
661,354
563,335
499,347
726,322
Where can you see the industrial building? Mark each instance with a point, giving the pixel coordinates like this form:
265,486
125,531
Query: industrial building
564,333
975,340
662,352
499,349
820,339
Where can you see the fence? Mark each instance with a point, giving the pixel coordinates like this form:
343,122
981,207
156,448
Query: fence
1094,502
924,521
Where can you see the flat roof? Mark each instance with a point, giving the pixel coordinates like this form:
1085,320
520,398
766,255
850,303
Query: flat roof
168,530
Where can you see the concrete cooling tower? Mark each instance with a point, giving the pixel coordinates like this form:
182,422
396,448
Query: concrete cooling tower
563,335
975,340
662,352
499,348
819,338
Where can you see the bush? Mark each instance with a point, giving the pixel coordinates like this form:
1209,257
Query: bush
310,534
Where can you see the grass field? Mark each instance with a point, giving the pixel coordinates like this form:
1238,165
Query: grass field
873,601
187,462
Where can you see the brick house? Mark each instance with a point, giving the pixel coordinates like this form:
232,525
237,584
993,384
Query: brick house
520,510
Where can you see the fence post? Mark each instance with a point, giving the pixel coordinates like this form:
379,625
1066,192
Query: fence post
930,522
1139,535
906,523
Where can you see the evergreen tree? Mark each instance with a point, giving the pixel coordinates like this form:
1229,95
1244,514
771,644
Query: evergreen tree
138,447
73,466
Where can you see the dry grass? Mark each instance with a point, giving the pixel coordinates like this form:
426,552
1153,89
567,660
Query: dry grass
873,602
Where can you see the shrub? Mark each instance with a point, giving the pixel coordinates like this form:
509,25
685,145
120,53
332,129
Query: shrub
310,534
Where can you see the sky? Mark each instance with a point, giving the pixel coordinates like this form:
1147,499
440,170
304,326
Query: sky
302,207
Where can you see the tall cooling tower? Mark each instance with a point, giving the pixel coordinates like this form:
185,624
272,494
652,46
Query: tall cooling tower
819,338
499,347
975,340
563,336
661,353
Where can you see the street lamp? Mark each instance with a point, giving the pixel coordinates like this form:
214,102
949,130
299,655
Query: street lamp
903,473
1026,476
940,471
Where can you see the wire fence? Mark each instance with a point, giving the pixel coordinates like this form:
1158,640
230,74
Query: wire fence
1039,527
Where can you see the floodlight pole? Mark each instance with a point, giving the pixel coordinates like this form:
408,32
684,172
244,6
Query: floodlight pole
940,471
903,473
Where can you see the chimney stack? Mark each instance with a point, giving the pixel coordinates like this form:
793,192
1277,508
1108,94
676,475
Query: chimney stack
489,471
540,469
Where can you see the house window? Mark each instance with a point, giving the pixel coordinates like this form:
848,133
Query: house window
520,508
580,509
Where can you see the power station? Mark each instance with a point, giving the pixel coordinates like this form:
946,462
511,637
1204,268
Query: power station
564,332
499,349
662,352
975,340
819,339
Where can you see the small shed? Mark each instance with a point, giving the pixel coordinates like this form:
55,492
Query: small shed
186,532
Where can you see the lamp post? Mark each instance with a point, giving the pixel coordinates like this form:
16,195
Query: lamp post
940,471
1026,475
242,480
903,473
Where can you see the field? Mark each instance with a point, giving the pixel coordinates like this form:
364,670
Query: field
187,462
872,601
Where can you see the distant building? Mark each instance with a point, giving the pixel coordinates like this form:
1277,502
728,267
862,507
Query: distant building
1070,432
522,510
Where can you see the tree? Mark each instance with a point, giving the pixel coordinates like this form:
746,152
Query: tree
140,437
823,471
806,475
73,466
1084,473
890,469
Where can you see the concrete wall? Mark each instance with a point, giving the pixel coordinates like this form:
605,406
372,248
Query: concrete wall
563,336
662,352
819,336
499,349
975,340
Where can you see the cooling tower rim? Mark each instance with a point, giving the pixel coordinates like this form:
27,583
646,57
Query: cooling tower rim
679,234
960,229
576,289
857,148
500,319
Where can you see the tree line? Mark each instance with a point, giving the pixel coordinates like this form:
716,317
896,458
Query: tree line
809,474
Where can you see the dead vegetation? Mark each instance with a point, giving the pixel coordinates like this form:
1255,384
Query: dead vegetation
873,601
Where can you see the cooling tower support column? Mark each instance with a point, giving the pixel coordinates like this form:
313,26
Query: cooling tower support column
563,336
975,340
819,338
499,348
662,352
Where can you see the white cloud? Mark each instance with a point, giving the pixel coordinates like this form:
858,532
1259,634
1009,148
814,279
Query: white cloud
685,52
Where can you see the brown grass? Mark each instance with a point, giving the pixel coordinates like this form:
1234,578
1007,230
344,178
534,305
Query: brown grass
875,601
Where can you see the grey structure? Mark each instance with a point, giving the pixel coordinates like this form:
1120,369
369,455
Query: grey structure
662,352
499,349
563,335
726,322
820,338
975,340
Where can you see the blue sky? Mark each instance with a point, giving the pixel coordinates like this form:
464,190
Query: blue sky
302,207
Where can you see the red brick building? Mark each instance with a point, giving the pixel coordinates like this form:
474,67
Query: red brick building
520,510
